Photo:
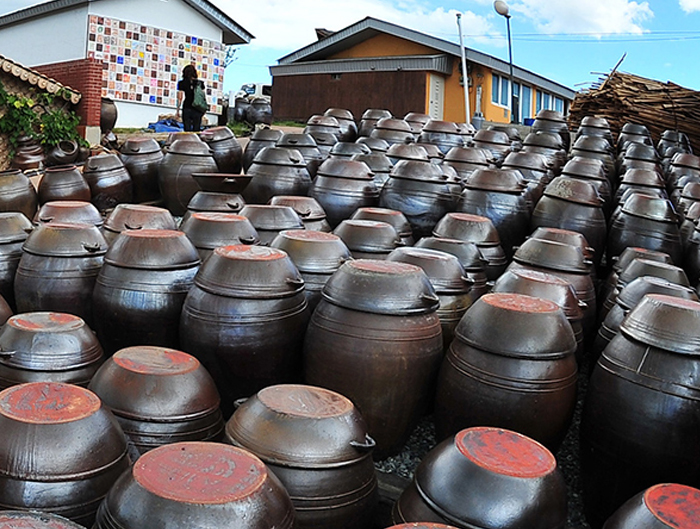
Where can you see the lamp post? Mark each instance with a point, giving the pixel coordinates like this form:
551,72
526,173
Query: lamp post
465,77
502,9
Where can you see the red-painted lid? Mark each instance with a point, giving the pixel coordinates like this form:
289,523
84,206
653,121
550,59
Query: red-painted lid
215,216
675,505
520,303
250,253
505,452
310,235
304,401
421,525
386,267
153,360
45,321
34,520
48,403
154,234
200,472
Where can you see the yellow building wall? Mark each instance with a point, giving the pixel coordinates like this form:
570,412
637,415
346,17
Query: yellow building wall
384,46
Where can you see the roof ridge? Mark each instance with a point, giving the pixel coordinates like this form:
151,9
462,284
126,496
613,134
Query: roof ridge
40,80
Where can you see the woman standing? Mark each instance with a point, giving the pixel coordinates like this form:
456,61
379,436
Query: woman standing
191,117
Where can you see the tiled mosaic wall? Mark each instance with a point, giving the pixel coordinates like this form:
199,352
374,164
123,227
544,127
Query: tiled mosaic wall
143,64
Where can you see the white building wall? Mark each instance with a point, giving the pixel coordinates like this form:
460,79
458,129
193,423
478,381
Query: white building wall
172,15
57,38
62,36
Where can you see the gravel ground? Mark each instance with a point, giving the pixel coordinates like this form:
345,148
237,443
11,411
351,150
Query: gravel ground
422,440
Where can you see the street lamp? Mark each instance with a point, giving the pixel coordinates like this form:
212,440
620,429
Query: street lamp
502,9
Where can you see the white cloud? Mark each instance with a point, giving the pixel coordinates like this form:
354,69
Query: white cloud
592,16
287,26
689,5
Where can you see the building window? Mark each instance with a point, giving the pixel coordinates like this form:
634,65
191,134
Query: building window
526,102
559,104
336,76
547,101
495,88
500,91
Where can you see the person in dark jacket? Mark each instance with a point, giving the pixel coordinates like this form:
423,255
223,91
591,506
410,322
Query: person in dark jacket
191,118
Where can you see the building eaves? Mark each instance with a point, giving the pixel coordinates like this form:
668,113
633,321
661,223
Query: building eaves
39,80
431,63
369,27
234,33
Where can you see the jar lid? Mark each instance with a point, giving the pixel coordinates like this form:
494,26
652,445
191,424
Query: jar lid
381,287
251,272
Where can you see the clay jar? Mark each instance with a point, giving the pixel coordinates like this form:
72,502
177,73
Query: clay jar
214,202
208,231
419,190
511,365
368,239
658,507
17,193
63,182
48,347
465,160
648,222
573,204
393,130
276,171
306,145
486,477
14,230
245,318
260,139
228,153
136,217
498,195
375,337
317,255
316,442
342,186
638,423
397,219
479,230
268,221
109,181
449,280
140,290
627,299
62,452
69,211
309,210
58,269
159,396
197,484
369,119
36,520
182,158
444,134
379,164
553,288
346,121
141,157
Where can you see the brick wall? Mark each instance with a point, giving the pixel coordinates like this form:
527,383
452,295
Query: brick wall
84,75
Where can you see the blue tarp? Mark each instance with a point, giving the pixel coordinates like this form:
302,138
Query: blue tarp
166,125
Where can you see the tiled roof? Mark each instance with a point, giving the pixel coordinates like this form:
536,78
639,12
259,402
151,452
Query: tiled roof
39,80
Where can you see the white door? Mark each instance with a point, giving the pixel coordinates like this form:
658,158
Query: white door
436,96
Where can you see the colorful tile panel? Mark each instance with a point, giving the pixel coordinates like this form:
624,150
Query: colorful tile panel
143,64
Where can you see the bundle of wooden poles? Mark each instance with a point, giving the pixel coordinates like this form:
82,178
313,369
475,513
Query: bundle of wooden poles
626,98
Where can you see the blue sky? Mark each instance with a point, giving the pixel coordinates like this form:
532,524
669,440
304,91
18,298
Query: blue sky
565,40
